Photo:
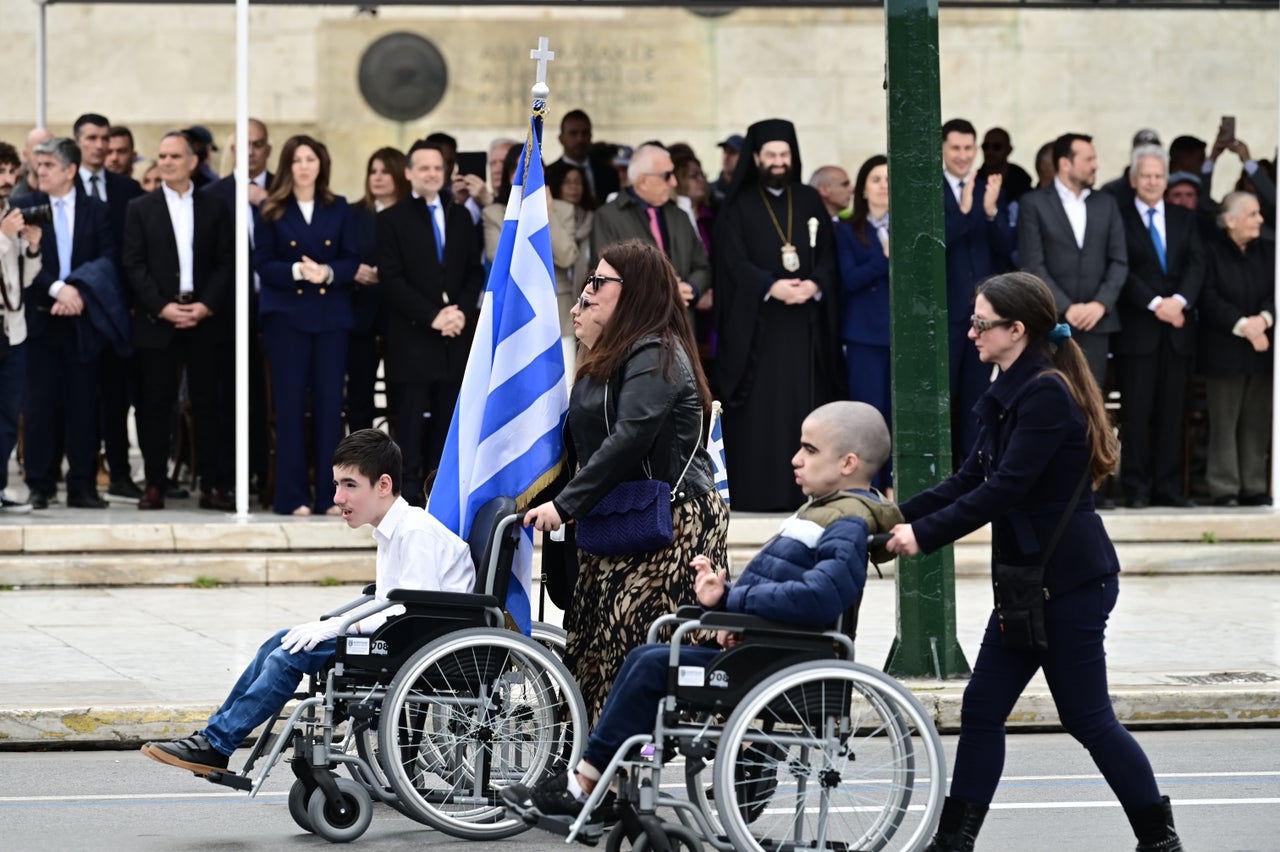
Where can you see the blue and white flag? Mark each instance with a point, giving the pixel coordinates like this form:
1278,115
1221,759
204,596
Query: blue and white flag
505,438
715,448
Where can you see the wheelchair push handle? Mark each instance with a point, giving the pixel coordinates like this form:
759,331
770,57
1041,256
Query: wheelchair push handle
878,540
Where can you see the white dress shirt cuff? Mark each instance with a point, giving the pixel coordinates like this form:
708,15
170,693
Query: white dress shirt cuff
55,288
297,272
1238,328
1266,315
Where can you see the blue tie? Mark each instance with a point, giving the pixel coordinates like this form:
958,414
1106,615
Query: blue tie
435,226
62,233
1155,239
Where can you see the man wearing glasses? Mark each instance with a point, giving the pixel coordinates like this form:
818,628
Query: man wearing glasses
646,210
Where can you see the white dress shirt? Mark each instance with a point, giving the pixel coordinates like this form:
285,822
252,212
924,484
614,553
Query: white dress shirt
1077,213
955,183
182,215
70,200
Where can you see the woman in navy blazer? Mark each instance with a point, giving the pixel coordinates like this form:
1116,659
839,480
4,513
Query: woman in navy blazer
305,251
1043,430
864,293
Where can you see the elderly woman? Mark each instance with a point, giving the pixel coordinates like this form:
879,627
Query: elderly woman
1237,313
639,410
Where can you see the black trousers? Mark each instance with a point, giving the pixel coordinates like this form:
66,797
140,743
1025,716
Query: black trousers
61,411
423,411
118,385
1153,392
205,352
362,375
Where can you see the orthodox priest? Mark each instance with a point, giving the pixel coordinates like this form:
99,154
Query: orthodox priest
777,316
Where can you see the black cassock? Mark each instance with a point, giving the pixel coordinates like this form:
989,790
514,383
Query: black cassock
774,362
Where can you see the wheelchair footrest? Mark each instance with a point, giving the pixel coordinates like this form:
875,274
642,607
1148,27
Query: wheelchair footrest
231,779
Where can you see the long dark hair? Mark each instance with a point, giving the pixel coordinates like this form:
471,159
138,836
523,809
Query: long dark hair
282,185
555,175
509,165
1023,297
860,207
649,303
394,161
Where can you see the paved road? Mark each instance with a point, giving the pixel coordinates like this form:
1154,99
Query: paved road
1225,783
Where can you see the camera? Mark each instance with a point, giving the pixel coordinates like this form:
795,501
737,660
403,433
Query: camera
36,214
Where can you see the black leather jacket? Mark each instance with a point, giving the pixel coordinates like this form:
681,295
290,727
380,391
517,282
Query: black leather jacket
651,419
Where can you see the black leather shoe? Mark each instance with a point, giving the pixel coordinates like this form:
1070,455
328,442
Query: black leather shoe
87,500
175,491
152,498
1255,500
1136,503
193,752
38,500
124,490
1226,500
1177,502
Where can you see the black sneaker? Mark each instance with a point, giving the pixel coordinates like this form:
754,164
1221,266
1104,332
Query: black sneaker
13,507
124,491
550,798
193,753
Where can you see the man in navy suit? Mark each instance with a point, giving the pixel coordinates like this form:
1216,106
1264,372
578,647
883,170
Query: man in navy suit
575,136
93,137
1072,238
62,372
1156,348
979,244
432,291
177,260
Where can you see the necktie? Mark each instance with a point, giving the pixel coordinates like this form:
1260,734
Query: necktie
95,184
654,228
882,231
62,233
959,191
1155,239
435,226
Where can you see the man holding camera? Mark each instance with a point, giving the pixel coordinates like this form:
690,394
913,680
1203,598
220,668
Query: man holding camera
19,263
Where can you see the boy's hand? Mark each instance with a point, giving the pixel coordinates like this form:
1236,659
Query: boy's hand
727,640
903,542
709,584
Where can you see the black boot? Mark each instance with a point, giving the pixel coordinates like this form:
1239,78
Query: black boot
958,828
1153,826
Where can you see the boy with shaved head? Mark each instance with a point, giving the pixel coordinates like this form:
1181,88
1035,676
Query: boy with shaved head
807,575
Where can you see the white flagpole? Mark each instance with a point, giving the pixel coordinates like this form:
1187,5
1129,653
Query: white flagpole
242,281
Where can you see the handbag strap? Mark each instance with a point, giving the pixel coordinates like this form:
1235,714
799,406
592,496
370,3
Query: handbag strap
1062,523
647,471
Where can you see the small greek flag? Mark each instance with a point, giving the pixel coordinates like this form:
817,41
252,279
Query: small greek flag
715,448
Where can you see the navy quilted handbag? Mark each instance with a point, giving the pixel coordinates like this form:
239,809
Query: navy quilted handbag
635,517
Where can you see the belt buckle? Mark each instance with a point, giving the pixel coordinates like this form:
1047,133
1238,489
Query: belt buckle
186,297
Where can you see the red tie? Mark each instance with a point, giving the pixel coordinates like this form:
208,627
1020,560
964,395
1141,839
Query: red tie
654,229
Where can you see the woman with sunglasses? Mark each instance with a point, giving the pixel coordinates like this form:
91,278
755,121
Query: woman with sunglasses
639,409
1044,435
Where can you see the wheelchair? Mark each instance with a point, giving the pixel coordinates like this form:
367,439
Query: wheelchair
815,751
442,705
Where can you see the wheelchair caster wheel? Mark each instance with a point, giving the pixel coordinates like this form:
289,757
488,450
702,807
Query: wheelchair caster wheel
678,839
340,822
298,807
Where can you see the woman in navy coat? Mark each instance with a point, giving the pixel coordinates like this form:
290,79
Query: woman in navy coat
305,251
862,253
1043,431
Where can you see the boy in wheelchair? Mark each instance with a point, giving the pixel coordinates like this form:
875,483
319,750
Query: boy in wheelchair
807,575
415,551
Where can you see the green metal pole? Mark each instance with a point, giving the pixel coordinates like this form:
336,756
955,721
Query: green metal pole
925,644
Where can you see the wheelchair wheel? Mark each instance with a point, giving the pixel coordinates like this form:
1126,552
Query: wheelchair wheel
298,807
553,638
679,838
829,755
470,713
341,823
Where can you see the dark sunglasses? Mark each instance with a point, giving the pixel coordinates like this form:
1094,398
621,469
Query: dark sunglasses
666,176
595,282
980,325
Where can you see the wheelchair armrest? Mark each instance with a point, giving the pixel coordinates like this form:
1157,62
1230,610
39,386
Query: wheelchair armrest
737,622
689,611
458,600
371,589
364,598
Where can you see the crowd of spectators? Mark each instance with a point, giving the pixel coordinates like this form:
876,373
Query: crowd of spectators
120,289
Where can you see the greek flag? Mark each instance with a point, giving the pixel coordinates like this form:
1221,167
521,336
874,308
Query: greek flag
505,437
715,449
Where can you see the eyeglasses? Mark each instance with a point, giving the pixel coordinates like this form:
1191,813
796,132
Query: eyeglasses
584,303
666,176
981,325
595,282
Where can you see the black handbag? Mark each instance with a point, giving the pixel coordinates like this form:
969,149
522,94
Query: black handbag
1020,593
635,517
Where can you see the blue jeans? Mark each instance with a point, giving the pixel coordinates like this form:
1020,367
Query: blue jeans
632,705
262,690
1075,667
13,382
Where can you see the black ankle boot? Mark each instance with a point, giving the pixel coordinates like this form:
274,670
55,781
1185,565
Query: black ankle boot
1153,826
958,828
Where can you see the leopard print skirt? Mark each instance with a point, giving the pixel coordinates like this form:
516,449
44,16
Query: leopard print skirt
617,598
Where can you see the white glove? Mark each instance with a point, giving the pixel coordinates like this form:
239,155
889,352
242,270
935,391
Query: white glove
307,636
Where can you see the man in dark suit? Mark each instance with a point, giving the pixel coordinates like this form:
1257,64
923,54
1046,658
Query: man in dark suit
92,132
575,137
1156,346
225,188
177,260
62,365
979,244
1073,238
645,211
430,270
